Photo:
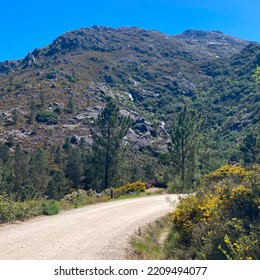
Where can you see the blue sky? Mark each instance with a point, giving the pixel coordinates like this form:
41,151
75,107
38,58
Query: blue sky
26,25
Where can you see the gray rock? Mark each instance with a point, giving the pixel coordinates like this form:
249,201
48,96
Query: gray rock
128,113
8,66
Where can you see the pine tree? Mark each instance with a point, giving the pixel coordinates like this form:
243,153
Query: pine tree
250,149
58,185
5,155
108,146
74,168
184,145
58,157
39,171
20,167
6,171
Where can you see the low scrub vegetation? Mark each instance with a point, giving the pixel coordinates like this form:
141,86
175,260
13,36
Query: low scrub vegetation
51,207
11,211
136,187
221,221
47,117
79,198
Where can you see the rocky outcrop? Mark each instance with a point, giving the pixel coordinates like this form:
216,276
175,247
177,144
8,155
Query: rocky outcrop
8,66
213,44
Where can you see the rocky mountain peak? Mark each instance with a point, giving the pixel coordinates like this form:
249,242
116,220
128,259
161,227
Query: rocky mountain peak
196,44
212,43
200,35
102,39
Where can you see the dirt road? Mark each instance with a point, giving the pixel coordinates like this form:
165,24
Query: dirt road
99,231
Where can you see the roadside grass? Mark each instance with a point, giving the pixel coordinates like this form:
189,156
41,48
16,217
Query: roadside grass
148,242
11,211
131,195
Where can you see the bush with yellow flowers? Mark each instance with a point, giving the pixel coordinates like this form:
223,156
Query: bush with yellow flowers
240,243
243,203
220,223
232,173
130,188
188,212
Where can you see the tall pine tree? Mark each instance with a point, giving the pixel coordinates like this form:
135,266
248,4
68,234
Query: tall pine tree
39,171
107,149
184,145
6,170
20,167
250,149
58,185
74,168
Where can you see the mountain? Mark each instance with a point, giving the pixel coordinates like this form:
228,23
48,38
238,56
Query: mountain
214,44
151,74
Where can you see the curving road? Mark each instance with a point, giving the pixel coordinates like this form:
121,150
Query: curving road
98,231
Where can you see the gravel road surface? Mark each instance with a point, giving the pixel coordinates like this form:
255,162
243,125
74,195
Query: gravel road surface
99,231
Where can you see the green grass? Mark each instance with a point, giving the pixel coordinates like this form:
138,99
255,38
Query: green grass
132,195
148,243
142,194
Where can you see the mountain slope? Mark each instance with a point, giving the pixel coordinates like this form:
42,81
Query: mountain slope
214,44
152,75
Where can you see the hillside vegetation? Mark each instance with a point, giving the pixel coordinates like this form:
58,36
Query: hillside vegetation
102,112
221,222
58,91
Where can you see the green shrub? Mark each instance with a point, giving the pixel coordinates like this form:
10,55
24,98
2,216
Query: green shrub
11,211
175,185
47,117
53,74
51,207
77,198
26,193
27,209
6,210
